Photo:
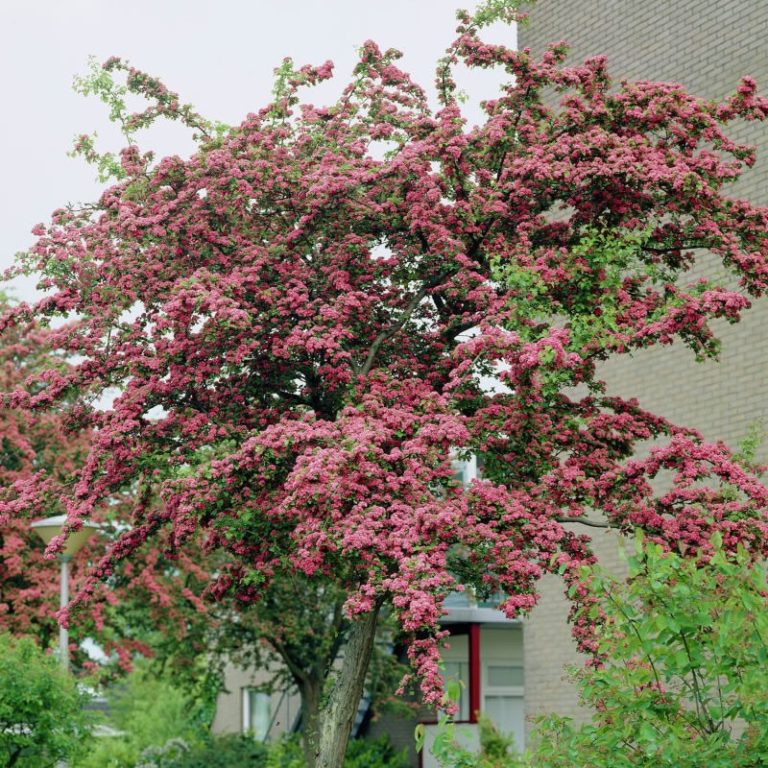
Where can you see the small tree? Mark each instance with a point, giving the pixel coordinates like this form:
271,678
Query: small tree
307,318
41,717
684,649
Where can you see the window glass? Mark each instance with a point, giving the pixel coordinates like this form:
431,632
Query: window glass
459,671
257,713
504,676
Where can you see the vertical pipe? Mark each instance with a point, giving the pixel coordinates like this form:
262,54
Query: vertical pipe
64,599
474,672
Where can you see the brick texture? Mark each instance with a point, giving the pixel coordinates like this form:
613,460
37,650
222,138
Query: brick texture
707,46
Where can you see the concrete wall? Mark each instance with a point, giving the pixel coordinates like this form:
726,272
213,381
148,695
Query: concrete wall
284,707
707,46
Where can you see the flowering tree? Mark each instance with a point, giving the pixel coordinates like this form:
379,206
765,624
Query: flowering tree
45,449
310,316
33,445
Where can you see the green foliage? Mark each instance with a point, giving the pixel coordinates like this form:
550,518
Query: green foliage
749,446
41,717
236,751
683,684
497,750
684,644
148,711
101,81
286,753
491,11
361,753
230,751
374,753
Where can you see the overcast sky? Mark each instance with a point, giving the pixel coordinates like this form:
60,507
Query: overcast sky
217,55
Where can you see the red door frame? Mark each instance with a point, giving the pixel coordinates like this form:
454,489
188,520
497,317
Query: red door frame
472,631
474,672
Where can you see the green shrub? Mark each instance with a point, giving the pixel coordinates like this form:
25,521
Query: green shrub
235,751
41,716
286,753
148,711
230,751
685,673
497,750
374,753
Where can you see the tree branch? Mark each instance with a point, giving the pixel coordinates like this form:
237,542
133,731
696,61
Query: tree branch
393,330
583,521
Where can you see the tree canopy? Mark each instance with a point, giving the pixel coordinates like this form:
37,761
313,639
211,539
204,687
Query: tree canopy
33,446
310,317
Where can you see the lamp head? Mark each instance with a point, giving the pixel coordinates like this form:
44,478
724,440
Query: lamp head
49,527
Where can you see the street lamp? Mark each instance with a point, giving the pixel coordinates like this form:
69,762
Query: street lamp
46,529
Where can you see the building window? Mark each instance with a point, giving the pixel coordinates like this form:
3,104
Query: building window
503,698
465,471
459,671
257,712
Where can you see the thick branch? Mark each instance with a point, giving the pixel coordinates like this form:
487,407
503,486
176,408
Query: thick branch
393,330
583,521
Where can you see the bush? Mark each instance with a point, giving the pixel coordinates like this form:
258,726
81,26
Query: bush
230,751
374,753
685,647
41,717
497,750
235,751
148,711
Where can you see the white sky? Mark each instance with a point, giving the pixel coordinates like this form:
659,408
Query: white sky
218,55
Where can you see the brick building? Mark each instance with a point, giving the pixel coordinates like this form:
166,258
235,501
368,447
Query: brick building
706,45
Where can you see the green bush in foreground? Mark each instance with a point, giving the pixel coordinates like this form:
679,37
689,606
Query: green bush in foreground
231,751
41,717
686,672
684,678
497,750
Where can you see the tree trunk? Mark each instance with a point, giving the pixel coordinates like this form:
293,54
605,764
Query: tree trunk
344,699
310,692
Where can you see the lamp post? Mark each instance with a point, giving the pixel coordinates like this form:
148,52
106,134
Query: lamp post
46,529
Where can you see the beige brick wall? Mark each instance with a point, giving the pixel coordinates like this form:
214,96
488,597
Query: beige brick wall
707,46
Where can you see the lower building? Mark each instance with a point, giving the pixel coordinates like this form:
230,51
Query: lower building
485,655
